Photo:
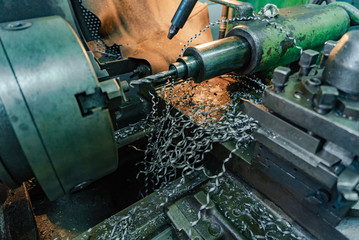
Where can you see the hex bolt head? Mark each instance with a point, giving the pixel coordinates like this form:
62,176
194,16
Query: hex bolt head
327,49
307,61
325,100
280,78
347,109
308,58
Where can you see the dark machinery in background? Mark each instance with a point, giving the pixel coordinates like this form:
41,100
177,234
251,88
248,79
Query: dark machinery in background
60,106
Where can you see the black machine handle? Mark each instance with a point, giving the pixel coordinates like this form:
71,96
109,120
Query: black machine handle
181,16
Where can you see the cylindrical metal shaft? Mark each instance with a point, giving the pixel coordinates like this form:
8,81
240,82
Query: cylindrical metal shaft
218,57
206,61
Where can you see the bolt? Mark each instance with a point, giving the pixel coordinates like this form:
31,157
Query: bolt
298,95
280,78
337,169
16,24
347,109
19,25
319,197
236,212
323,196
328,47
214,229
80,186
314,82
325,100
307,62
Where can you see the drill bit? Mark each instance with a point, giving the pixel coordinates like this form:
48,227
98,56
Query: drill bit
156,78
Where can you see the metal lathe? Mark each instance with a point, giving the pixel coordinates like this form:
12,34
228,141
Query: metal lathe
143,119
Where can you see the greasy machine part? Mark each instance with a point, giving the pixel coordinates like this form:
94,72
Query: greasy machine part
55,131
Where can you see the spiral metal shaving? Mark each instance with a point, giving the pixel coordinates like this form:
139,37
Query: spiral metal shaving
272,227
180,142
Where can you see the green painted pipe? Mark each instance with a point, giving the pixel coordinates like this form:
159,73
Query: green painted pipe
310,25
